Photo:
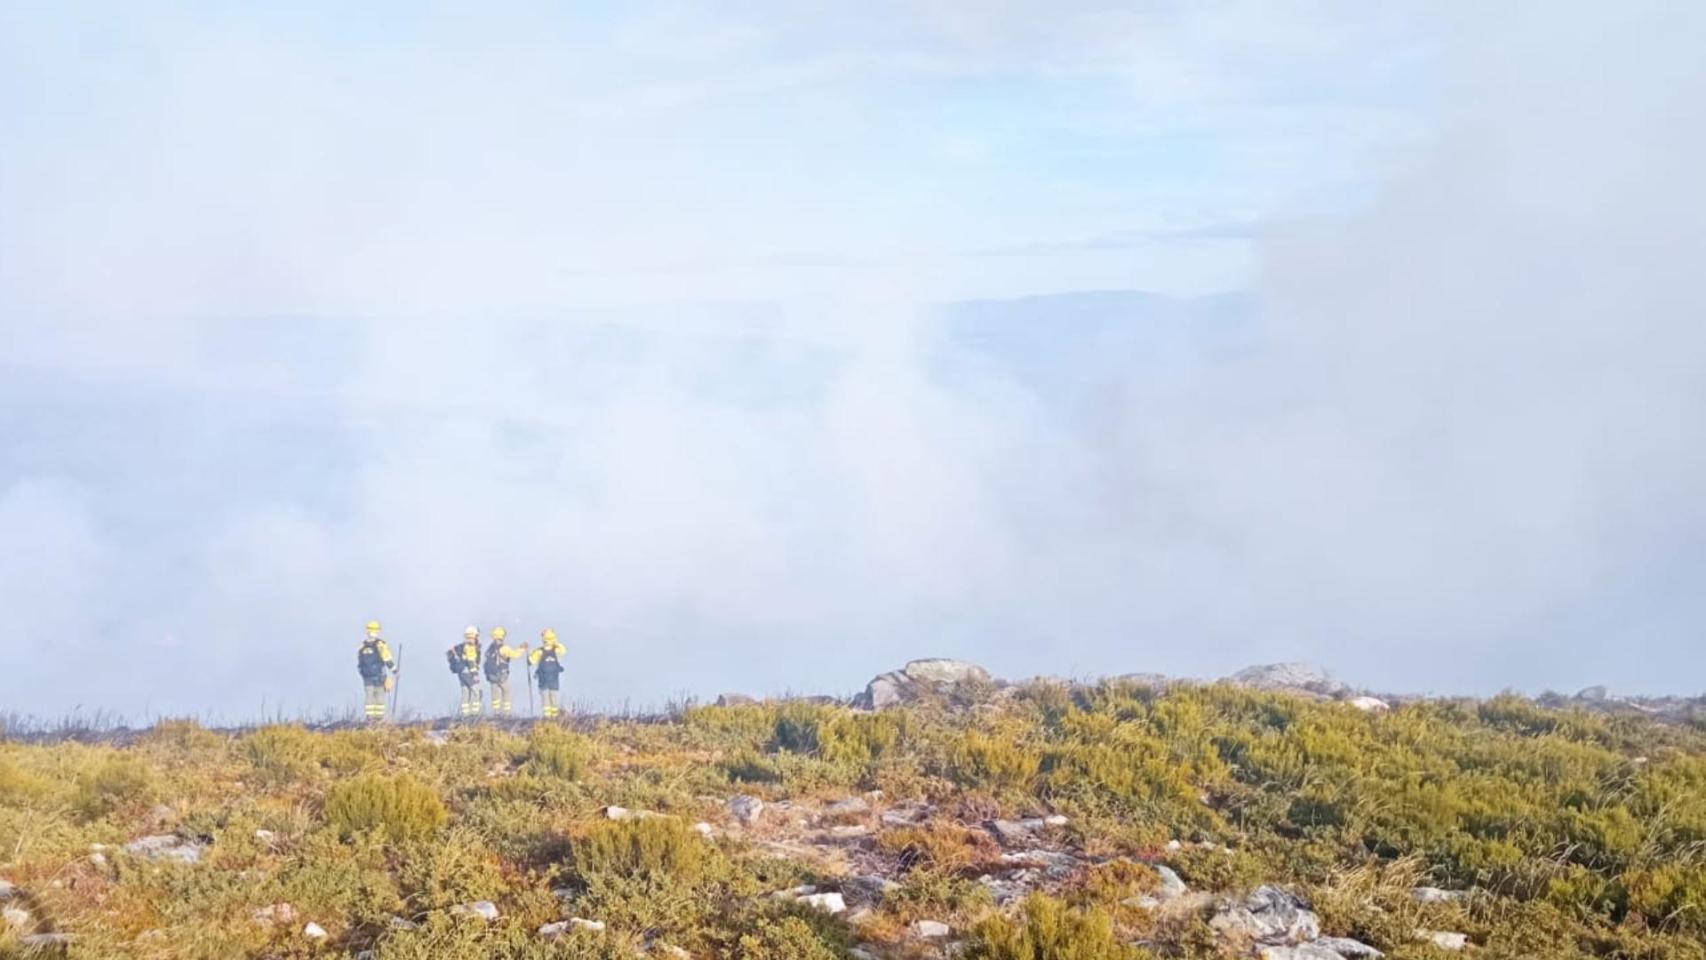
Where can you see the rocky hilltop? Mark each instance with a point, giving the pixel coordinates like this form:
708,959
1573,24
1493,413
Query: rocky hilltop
947,681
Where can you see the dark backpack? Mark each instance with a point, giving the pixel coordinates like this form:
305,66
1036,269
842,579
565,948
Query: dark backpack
497,665
550,667
369,662
454,655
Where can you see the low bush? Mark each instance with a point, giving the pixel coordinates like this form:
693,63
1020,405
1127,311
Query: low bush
994,762
113,782
938,846
398,809
554,752
651,846
1048,929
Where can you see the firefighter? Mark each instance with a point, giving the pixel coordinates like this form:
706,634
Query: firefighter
464,660
547,664
374,661
496,666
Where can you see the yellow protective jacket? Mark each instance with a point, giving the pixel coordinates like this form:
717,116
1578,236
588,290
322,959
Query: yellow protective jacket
469,650
555,645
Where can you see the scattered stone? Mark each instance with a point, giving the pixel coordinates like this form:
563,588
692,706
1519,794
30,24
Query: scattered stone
484,909
907,814
265,836
398,923
916,679
554,931
1303,951
1269,915
704,829
313,931
1306,951
1172,885
438,738
1013,833
16,917
867,888
1369,704
1005,890
42,942
1443,940
7,890
1346,947
860,953
275,913
591,926
930,929
166,846
850,807
1290,678
830,903
1055,820
614,812
746,808
1175,846
1436,895
563,893
1057,864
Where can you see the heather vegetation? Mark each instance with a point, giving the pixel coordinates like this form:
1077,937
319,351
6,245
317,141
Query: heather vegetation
1042,821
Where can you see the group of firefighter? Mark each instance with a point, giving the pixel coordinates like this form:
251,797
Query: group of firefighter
469,661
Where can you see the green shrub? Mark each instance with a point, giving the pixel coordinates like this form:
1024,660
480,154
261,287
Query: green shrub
935,894
990,762
113,782
185,734
399,809
1049,930
558,753
786,938
18,785
651,846
455,868
282,753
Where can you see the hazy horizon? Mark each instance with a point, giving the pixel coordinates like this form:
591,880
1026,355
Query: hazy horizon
762,351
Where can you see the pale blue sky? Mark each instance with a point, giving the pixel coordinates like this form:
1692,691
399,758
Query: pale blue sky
765,348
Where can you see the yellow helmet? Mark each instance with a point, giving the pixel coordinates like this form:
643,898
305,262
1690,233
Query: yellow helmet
471,632
373,626
549,635
498,633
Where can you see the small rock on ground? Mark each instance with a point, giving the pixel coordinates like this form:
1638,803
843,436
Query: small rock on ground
166,846
1346,947
313,931
580,923
484,909
746,808
1444,940
930,929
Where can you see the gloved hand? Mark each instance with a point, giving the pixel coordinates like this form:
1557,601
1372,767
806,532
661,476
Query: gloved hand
390,684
